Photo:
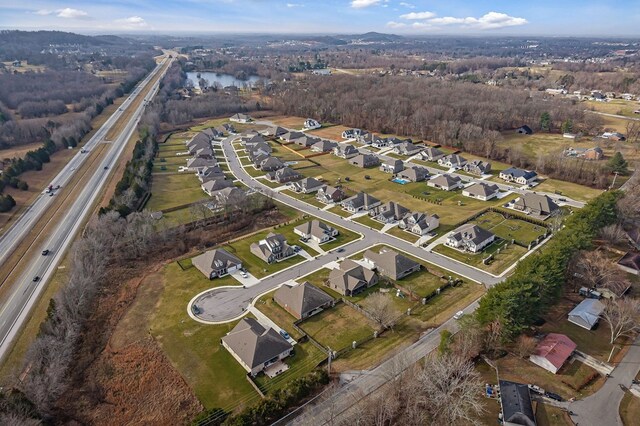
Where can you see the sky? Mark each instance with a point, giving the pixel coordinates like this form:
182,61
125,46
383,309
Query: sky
418,17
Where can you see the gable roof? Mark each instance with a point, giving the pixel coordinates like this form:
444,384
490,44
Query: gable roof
301,298
516,173
350,275
588,311
213,260
390,261
538,202
315,228
555,348
254,344
361,199
516,403
472,233
446,180
630,260
482,189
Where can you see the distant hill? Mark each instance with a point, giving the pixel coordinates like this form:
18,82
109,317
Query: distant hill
377,37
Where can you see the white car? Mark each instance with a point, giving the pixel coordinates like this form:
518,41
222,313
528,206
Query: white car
244,274
458,315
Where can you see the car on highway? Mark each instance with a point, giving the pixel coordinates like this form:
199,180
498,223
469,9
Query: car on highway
36,279
458,315
45,252
285,334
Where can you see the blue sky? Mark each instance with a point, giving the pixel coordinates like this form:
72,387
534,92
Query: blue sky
514,17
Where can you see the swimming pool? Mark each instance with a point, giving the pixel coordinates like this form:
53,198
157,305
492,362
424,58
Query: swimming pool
400,181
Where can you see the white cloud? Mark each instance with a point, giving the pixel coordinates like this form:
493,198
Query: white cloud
361,4
418,15
407,5
291,5
43,12
393,24
499,20
132,22
70,13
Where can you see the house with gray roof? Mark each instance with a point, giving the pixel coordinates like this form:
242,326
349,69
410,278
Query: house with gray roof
515,403
216,263
419,223
229,128
389,213
270,164
283,175
275,131
210,173
306,141
303,300
368,139
470,237
306,185
252,139
454,161
317,231
345,151
256,347
391,264
536,204
240,118
477,167
414,173
210,186
392,166
351,278
323,146
481,191
272,248
230,196
519,176
330,194
310,124
291,136
431,154
365,161
259,149
407,148
360,202
196,164
587,313
445,182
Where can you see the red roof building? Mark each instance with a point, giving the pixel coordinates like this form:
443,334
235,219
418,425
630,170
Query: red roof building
552,352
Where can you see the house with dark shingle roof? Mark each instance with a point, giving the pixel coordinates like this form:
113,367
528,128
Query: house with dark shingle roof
291,136
306,185
270,164
318,231
345,151
272,248
392,166
216,263
407,148
477,167
452,161
389,212
630,262
213,185
351,278
537,204
196,164
303,300
365,161
360,202
419,223
481,191
240,118
275,131
519,176
445,182
330,194
414,173
431,154
470,237
391,264
323,146
256,347
283,175
516,406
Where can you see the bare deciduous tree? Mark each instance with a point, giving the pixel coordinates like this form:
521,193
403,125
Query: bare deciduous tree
623,317
382,311
525,346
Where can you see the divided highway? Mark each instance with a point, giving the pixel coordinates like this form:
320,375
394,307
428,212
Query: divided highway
16,307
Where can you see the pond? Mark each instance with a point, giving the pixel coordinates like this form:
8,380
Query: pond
223,79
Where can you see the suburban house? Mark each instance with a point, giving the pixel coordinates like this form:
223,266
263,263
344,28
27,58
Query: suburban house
614,136
630,262
251,139
330,194
520,176
275,131
258,150
284,175
445,182
353,133
206,153
310,124
196,144
270,164
213,133
255,347
481,191
229,128
392,166
317,231
431,154
273,248
414,174
306,141
230,196
306,185
592,154
240,118
209,172
323,146
389,213
351,278
537,204
407,148
515,403
345,151
587,313
213,185
360,202
216,263
370,139
391,264
302,300
477,167
197,164
552,352
470,237
419,223
291,136
452,161
524,130
365,160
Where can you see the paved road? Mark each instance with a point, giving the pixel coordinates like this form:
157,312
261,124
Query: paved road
606,114
24,294
601,408
225,304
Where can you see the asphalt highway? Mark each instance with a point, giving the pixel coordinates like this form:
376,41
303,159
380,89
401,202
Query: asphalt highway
15,309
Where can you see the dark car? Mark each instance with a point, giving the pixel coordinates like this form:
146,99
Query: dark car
106,167
553,396
340,250
36,279
45,252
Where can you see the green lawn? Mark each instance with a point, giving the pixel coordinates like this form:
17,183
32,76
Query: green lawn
338,210
318,278
338,327
171,190
568,189
194,349
253,172
401,233
307,198
509,229
368,221
500,262
284,319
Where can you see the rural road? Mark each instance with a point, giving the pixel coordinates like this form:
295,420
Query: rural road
15,309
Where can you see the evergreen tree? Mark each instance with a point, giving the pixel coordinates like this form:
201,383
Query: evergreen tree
545,121
567,126
617,163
